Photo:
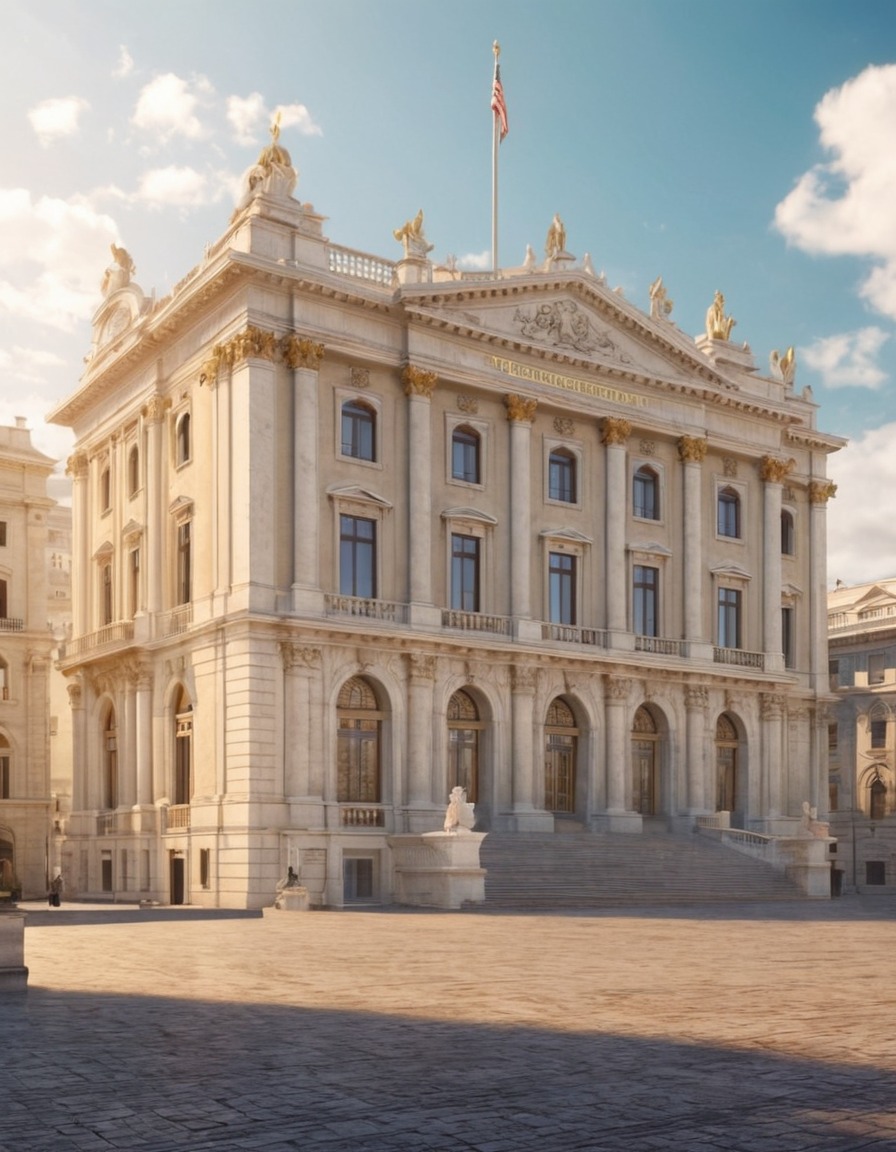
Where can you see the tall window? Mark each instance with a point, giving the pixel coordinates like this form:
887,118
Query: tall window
561,740
464,573
465,455
183,445
788,638
646,494
358,430
357,557
4,680
464,727
110,761
3,601
876,668
562,476
105,490
134,581
645,601
729,513
358,743
183,750
2,533
787,547
5,760
106,616
878,733
185,562
562,588
729,617
133,470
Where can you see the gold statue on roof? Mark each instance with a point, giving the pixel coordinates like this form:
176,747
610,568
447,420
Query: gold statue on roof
718,325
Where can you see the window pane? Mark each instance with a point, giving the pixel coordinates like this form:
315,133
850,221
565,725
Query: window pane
729,618
465,455
645,601
646,502
357,557
464,573
729,513
562,477
562,588
358,426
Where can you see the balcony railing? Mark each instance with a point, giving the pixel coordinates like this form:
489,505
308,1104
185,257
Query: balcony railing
370,609
476,622
8,624
362,816
346,262
567,634
174,622
120,633
739,658
661,646
177,816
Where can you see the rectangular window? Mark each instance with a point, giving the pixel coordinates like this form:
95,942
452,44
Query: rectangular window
645,601
562,476
833,675
787,637
464,573
729,513
134,581
562,588
357,557
205,867
185,562
876,668
106,594
465,446
3,601
878,733
4,778
729,618
833,737
2,533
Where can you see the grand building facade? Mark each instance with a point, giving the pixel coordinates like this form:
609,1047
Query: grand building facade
351,532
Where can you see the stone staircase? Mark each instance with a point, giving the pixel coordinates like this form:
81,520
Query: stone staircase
584,870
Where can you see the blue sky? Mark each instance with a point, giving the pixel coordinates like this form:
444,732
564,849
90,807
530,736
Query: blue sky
747,147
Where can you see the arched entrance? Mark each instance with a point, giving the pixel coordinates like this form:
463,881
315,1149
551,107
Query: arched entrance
464,733
645,764
877,798
561,744
358,743
727,782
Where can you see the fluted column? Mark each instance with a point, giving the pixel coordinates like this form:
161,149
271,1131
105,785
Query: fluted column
615,434
696,700
692,451
619,784
820,491
78,468
773,764
144,736
773,473
418,387
520,414
304,357
127,744
522,687
156,475
420,784
302,771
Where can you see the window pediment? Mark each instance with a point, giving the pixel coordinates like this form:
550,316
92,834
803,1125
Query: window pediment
105,551
731,572
471,514
181,509
355,494
651,548
568,534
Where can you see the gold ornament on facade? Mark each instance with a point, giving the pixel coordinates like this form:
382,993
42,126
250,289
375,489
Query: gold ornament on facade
718,325
417,381
820,491
520,409
300,352
774,470
692,449
154,409
784,367
77,465
254,344
615,430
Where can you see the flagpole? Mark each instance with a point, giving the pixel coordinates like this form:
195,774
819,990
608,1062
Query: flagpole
497,51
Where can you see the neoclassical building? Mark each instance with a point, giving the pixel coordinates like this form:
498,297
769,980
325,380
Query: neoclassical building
349,532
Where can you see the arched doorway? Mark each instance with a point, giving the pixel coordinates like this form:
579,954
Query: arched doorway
645,764
183,749
359,720
464,729
110,760
561,744
877,798
727,783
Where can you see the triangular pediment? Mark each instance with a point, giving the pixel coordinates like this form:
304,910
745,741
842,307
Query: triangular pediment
876,595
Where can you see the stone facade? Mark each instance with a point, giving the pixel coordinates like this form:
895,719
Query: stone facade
349,532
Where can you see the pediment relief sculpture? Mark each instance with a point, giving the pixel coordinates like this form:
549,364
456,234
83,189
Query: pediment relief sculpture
562,324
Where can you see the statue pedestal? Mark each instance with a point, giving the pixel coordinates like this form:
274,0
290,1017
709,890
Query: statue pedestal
293,899
13,973
438,869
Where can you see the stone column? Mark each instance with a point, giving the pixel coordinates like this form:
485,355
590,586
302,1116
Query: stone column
619,784
696,700
773,472
418,387
127,742
520,414
304,357
78,470
79,752
522,687
419,780
692,451
773,763
155,538
302,769
144,736
820,491
615,433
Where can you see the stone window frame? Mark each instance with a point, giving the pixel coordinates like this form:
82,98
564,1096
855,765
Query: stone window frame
659,471
453,421
722,485
472,522
575,449
370,400
367,505
565,540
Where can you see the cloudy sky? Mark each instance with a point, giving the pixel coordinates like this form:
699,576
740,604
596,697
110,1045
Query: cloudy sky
741,146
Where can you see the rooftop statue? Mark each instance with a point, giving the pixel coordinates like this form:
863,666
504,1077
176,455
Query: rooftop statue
718,325
555,241
119,273
660,304
410,234
784,367
272,172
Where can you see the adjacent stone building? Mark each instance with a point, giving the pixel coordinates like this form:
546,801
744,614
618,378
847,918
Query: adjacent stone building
350,532
27,799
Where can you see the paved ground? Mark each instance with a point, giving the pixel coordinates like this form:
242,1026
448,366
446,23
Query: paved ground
757,1029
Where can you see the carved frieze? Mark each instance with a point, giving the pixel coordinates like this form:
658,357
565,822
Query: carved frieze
563,426
617,689
296,657
360,377
523,677
562,324
421,666
468,404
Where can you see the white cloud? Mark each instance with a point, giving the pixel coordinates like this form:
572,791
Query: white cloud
28,364
250,118
52,254
862,540
176,187
845,207
53,119
125,65
168,104
848,359
476,261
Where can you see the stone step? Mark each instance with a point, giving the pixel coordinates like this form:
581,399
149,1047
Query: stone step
535,870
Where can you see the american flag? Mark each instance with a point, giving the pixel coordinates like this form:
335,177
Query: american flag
498,106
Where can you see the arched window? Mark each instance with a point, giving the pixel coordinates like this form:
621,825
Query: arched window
562,479
646,495
466,448
133,470
645,763
726,764
183,750
561,744
464,727
877,799
358,430
358,743
183,445
110,760
787,543
729,513
5,769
